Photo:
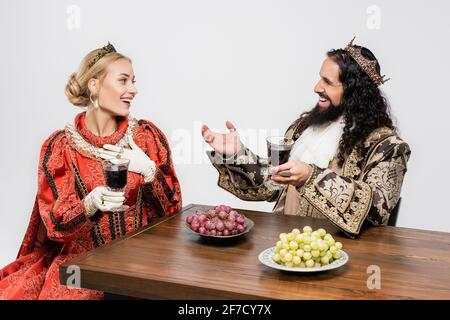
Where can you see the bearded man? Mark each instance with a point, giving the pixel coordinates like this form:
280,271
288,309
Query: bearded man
347,163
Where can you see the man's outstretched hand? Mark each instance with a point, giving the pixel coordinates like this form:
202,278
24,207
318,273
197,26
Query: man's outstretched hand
227,144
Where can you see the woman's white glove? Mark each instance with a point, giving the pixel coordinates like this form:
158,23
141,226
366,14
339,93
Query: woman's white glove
139,161
102,199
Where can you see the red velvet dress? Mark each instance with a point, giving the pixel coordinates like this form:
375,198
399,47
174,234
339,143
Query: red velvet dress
60,229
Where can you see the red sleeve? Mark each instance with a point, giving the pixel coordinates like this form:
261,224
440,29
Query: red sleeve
163,193
60,208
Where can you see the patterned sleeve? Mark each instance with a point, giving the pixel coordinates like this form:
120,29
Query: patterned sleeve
347,203
162,193
60,207
242,175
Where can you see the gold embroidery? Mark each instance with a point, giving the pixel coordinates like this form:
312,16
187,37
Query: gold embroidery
338,194
350,168
350,221
258,193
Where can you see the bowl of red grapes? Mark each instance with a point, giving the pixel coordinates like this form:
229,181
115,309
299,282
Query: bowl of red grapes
219,222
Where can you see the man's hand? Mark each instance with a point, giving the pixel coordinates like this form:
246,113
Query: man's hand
298,170
227,144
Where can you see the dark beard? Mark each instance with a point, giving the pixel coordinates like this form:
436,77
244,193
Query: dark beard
319,116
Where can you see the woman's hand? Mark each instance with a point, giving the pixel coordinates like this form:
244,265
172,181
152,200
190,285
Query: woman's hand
299,173
103,199
227,144
139,161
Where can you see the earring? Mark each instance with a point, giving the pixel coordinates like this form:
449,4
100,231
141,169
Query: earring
94,103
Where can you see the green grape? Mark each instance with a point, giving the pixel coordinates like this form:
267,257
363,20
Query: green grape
293,245
321,245
302,265
307,248
307,239
323,253
315,234
307,229
325,247
325,260
328,237
295,231
336,255
289,264
279,244
333,249
307,256
290,237
277,250
299,252
309,263
283,252
296,260
299,237
331,242
322,232
314,245
338,246
285,245
276,258
288,257
317,264
315,253
283,237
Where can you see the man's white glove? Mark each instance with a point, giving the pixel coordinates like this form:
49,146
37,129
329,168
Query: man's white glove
139,161
102,199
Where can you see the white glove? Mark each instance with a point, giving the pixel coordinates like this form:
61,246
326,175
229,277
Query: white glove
139,161
102,199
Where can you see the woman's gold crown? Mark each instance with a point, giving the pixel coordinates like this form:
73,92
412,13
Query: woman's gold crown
103,52
369,66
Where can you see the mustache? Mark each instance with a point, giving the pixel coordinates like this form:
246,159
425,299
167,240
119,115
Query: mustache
323,95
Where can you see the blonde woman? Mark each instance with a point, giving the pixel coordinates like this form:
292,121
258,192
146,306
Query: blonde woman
74,212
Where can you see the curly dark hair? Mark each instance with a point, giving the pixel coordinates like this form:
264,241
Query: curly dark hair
363,105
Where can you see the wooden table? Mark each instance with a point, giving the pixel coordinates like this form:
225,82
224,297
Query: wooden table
167,261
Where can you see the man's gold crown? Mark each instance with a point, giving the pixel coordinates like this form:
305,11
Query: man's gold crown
367,65
103,52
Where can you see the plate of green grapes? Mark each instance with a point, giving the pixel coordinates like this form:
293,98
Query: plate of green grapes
307,251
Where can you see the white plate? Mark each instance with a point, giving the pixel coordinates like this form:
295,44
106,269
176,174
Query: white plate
265,258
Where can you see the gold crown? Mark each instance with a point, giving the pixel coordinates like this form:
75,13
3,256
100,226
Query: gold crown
367,65
103,52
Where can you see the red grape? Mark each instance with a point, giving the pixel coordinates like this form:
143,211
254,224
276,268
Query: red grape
229,225
219,226
226,232
189,219
240,220
213,232
219,233
202,230
223,215
208,225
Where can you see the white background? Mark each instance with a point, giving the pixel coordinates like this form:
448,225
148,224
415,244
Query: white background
252,62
